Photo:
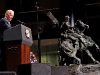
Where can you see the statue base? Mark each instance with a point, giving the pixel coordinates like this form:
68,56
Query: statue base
82,69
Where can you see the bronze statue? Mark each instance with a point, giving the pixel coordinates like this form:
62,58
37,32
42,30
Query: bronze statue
74,39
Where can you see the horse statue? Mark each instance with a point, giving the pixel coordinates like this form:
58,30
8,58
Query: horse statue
75,40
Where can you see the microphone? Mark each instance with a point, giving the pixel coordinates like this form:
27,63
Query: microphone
21,22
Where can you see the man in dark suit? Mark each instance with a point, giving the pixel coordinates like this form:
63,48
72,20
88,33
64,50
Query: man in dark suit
4,24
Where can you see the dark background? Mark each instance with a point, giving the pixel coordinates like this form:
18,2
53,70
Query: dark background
25,10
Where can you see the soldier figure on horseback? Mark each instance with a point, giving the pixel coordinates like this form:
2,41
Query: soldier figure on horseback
74,39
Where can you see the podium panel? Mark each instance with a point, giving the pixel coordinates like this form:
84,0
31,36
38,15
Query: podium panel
16,55
18,34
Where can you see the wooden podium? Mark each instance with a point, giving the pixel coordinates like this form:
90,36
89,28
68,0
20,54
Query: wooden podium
18,41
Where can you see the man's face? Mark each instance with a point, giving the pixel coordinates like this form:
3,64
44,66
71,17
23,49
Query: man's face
67,18
9,16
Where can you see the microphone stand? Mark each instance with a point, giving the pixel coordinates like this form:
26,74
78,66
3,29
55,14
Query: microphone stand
37,8
39,51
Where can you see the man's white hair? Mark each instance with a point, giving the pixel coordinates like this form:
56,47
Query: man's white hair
9,11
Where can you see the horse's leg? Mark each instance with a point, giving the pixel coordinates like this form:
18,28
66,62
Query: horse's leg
90,55
73,54
97,47
78,59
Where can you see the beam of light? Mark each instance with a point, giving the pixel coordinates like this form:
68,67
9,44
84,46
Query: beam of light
72,18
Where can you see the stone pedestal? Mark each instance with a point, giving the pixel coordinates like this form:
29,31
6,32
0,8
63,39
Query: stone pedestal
89,69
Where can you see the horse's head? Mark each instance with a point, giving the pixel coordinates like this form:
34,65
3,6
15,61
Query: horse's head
81,26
